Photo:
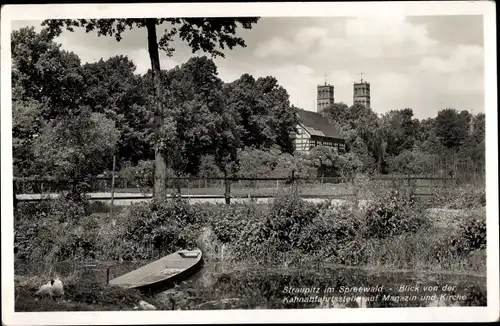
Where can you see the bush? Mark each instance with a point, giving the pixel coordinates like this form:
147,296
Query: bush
474,233
270,237
228,221
53,231
140,175
393,214
468,198
288,215
255,243
471,234
165,225
334,228
462,197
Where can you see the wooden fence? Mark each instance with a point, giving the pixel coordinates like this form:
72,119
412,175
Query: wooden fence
105,184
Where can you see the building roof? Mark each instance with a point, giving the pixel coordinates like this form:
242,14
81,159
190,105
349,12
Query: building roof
317,125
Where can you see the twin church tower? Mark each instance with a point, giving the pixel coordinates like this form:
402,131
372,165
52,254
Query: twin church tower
326,96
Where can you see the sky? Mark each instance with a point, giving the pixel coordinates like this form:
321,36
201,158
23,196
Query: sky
427,63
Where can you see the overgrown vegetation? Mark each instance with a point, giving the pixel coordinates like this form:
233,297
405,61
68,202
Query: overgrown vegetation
393,230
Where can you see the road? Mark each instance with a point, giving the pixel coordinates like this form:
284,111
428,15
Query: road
125,199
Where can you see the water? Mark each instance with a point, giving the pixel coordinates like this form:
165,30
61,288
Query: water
220,286
226,287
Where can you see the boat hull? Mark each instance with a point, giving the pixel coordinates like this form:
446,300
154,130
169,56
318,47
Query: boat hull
149,278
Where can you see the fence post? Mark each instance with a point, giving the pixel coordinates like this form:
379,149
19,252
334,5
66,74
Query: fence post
356,192
113,186
227,190
14,193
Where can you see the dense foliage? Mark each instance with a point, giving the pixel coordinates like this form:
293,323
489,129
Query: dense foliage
451,144
287,230
213,128
393,214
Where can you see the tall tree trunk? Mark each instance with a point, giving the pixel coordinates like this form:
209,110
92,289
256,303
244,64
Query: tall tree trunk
227,187
160,164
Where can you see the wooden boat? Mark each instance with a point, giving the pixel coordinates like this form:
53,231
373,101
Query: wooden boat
162,273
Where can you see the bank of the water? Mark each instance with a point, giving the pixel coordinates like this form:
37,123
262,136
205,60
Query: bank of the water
225,286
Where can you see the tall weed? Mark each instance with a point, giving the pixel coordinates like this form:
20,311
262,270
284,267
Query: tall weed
393,214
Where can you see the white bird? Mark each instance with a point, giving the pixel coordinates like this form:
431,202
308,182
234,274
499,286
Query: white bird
146,306
57,289
54,288
44,289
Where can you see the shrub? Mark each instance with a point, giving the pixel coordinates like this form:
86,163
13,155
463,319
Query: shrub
471,234
468,198
165,225
474,233
393,214
288,215
58,231
462,197
228,221
334,228
254,242
138,176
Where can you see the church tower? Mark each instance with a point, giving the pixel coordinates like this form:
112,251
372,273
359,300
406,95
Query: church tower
361,93
325,96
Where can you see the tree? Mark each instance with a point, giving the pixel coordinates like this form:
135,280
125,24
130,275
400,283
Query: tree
324,159
43,72
114,90
75,147
257,163
47,84
348,165
336,113
201,121
206,34
208,168
412,162
283,119
358,114
26,127
425,130
452,127
265,117
369,132
298,163
479,128
359,147
400,129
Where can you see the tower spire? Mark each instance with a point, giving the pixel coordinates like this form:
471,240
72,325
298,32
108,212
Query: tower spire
325,78
361,75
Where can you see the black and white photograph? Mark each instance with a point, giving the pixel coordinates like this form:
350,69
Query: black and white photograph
249,162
